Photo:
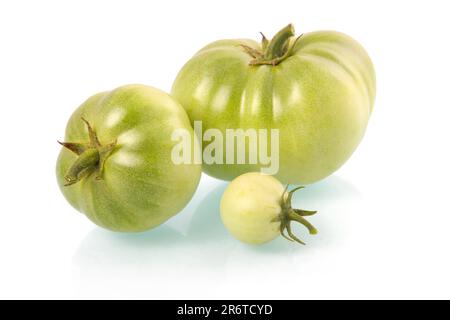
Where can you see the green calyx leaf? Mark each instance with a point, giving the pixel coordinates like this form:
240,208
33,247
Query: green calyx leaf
289,214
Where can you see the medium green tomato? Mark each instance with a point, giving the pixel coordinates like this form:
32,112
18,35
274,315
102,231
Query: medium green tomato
116,164
256,208
317,89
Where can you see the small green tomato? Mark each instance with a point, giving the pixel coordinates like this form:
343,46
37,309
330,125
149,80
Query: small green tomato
256,208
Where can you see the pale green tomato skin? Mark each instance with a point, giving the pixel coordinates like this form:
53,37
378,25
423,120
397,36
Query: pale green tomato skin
249,205
140,187
320,98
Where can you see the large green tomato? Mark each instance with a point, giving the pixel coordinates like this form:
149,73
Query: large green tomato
116,162
318,90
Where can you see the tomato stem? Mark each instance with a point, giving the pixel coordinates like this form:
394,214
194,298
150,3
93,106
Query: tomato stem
279,43
91,157
82,166
274,51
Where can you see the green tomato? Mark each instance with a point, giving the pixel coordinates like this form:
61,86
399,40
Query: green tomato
256,208
116,164
318,90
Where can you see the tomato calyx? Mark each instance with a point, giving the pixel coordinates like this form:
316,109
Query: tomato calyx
91,157
289,214
274,51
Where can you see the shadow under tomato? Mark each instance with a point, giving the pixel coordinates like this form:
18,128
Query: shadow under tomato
206,233
203,249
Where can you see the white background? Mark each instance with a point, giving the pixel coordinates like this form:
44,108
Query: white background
384,218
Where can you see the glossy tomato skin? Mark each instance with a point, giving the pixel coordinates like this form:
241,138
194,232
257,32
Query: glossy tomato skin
320,98
249,206
140,186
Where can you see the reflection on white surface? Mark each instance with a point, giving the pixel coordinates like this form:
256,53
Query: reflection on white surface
195,250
